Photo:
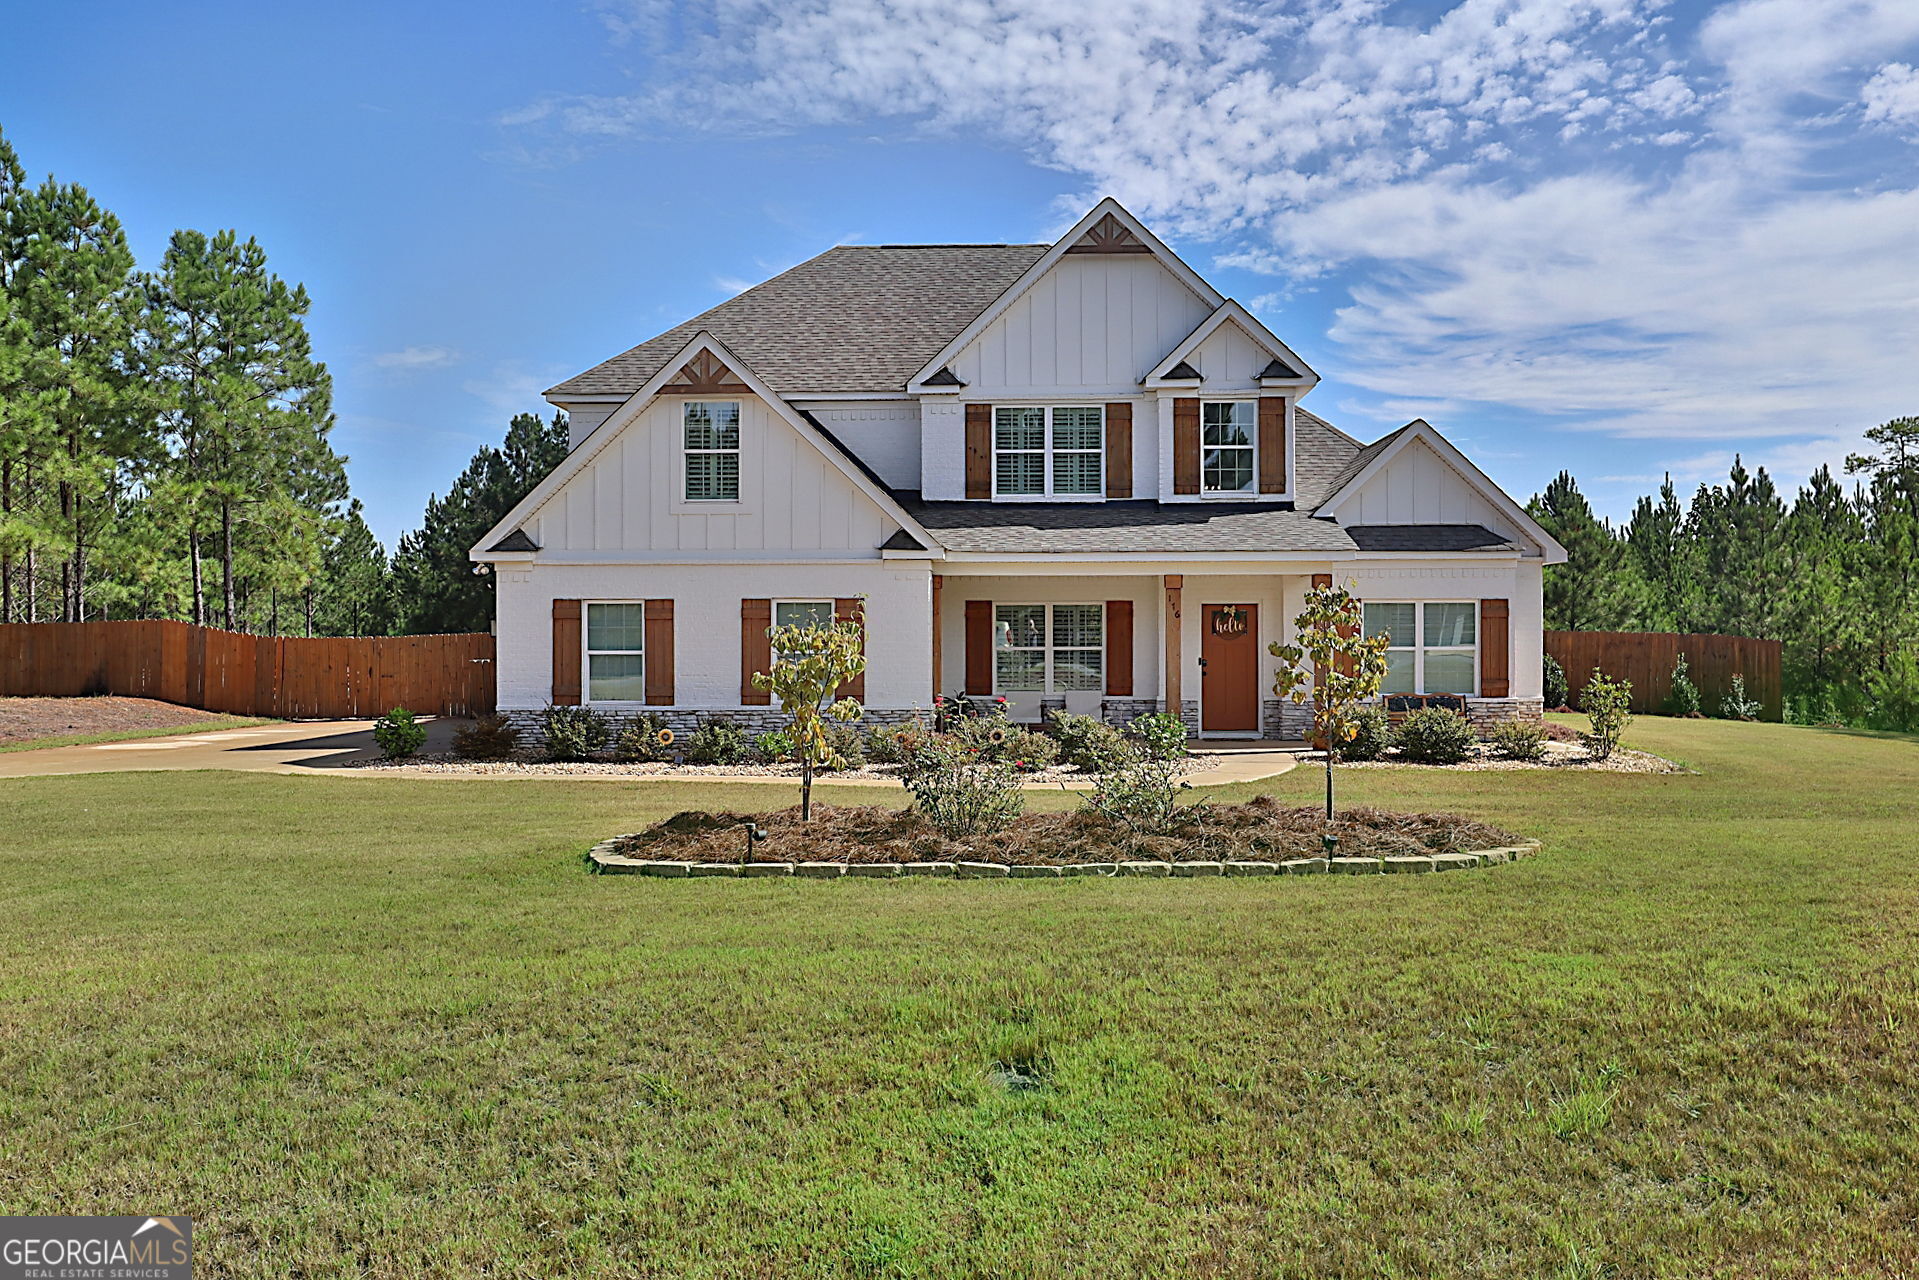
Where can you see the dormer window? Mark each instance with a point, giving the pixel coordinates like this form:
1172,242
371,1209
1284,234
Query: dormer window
1228,432
1049,451
712,446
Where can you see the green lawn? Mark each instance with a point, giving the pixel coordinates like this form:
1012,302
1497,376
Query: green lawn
361,1027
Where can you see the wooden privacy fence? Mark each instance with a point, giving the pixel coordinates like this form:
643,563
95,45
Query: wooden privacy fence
1646,658
286,677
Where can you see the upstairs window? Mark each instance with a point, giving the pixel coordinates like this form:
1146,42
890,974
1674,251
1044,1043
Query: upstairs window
1227,434
712,444
1433,646
1041,452
615,652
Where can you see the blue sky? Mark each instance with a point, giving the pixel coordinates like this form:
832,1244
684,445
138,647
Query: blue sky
1619,236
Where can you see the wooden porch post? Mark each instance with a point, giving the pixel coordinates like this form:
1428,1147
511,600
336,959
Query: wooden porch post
938,582
1174,696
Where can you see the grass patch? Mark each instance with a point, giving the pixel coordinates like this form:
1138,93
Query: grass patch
371,1027
132,735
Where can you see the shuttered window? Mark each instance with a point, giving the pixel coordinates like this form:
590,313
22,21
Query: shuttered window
616,652
1434,646
712,442
1048,648
1043,452
1226,443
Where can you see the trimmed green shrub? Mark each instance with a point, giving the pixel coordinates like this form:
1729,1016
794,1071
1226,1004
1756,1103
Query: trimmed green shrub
491,737
398,734
1608,704
647,738
1556,688
1372,737
1161,733
1435,735
718,741
890,744
1519,740
1028,750
573,733
848,745
773,746
1090,745
1683,698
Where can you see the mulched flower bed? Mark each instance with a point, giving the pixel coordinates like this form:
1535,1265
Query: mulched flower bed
1257,829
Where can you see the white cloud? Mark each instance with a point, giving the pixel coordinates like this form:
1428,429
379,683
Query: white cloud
423,357
511,387
1892,96
1551,206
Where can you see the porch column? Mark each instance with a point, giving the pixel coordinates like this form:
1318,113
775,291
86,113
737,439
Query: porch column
1170,613
938,582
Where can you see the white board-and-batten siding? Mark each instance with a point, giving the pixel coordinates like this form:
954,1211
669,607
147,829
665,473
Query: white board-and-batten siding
1417,486
1093,324
630,496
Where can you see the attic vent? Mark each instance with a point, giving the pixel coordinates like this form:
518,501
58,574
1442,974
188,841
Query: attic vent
1277,368
1109,235
1184,370
944,378
705,375
515,541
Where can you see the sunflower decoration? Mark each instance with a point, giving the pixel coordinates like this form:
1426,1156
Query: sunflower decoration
996,736
664,737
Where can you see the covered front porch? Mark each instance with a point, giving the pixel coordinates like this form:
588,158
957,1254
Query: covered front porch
1121,641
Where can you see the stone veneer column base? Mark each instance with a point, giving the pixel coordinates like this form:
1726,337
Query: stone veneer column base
685,720
1291,721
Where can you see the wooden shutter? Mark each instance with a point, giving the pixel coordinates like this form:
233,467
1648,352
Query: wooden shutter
1322,580
1495,652
1272,444
979,450
853,610
659,653
1119,648
1185,446
567,653
756,649
979,647
1119,450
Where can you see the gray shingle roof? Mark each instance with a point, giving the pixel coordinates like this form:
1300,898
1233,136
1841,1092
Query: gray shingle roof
855,318
1353,464
1426,537
1322,453
1141,525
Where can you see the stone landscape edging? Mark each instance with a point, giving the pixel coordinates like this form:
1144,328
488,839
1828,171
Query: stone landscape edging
605,861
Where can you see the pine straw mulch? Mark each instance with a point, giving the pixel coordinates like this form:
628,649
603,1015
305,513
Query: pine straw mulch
1258,829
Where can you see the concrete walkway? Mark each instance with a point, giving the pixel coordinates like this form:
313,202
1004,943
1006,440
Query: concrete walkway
327,748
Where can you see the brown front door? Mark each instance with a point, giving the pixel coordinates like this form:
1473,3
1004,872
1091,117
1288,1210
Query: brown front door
1229,668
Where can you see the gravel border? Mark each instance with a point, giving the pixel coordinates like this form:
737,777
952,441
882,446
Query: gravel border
604,861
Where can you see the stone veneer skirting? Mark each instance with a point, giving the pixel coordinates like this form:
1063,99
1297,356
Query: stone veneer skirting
1279,719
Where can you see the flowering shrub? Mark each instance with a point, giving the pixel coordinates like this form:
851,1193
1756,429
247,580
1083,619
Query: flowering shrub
957,791
1161,733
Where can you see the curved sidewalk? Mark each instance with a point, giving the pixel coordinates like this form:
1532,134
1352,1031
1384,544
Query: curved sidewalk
330,748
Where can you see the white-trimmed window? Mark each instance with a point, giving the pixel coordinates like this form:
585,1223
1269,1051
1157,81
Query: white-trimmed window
801,613
1434,645
616,651
712,445
1044,452
1228,432
1049,648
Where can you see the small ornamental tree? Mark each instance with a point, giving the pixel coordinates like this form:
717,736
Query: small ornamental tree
1334,666
810,663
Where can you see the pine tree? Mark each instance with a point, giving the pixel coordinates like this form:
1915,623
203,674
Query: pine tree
353,594
1594,590
434,586
246,410
1662,559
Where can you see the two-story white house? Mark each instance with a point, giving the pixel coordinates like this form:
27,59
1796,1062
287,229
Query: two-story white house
1070,474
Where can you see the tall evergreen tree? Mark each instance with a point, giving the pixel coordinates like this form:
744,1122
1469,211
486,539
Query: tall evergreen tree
1662,559
353,593
1738,528
1594,590
247,410
434,587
